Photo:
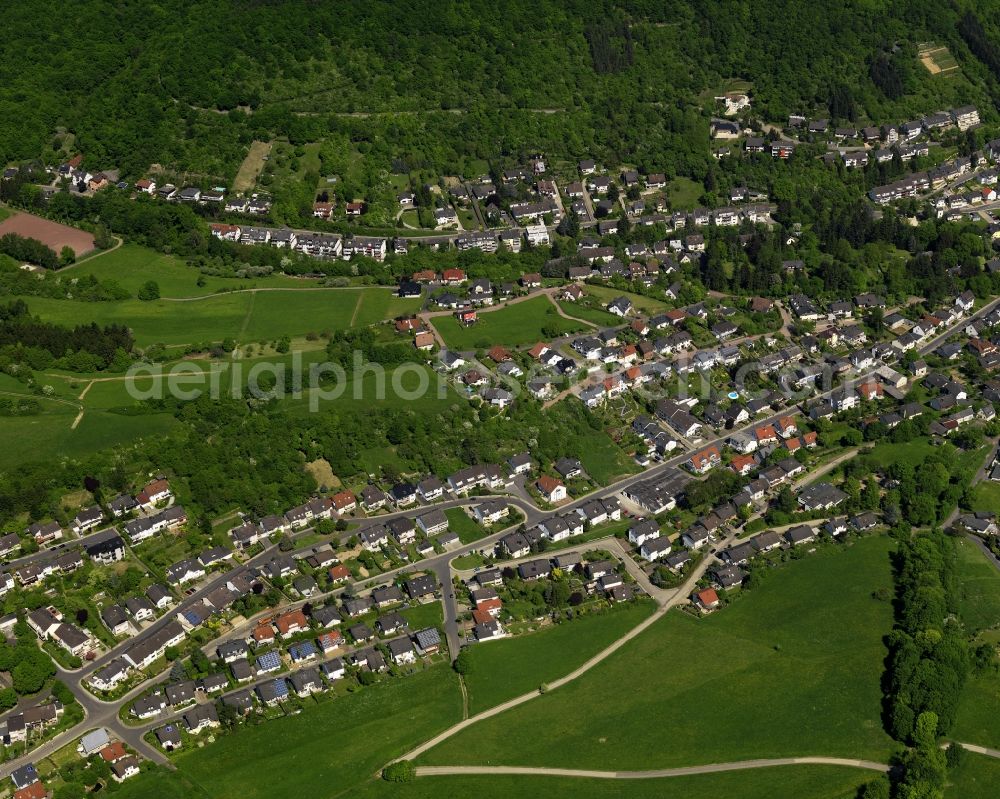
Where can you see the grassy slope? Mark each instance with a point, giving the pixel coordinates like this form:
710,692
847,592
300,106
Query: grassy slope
513,326
510,667
49,435
980,610
979,586
977,778
802,782
463,525
595,315
160,784
604,460
327,750
214,316
132,265
792,668
645,305
245,317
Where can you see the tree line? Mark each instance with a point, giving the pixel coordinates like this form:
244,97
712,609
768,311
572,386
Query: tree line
20,333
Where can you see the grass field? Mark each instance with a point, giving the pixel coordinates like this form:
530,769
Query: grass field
49,435
683,193
646,305
801,782
977,778
979,597
979,586
603,460
986,496
247,316
912,452
463,525
330,749
397,389
792,668
976,722
132,266
596,315
501,670
514,326
160,784
246,176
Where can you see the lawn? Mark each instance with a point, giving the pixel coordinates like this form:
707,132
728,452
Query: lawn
501,670
596,315
49,436
419,617
912,452
986,496
159,783
646,305
979,587
792,668
515,325
602,459
463,525
330,749
132,265
976,778
243,316
801,782
683,193
979,607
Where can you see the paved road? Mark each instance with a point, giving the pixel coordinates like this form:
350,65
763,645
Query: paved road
981,750
683,771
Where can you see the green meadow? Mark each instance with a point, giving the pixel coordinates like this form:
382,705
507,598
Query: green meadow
242,316
501,670
250,309
979,608
516,325
330,749
792,668
801,782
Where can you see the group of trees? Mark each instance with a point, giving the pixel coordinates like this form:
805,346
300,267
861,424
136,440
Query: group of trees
30,668
202,85
86,288
927,666
30,250
929,656
82,348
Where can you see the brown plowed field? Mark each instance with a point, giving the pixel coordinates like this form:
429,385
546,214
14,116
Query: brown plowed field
52,234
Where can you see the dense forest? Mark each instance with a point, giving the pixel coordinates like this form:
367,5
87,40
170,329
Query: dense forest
27,339
189,84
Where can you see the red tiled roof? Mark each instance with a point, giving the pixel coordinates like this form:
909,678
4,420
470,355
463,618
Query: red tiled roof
34,791
291,619
114,751
708,597
548,484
